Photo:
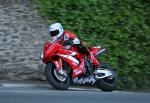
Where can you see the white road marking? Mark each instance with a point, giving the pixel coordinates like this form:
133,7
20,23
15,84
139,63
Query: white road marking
31,85
72,88
17,85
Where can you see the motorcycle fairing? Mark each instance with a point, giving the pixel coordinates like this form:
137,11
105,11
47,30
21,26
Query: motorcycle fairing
77,65
51,52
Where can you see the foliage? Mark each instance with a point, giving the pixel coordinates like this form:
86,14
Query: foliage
121,26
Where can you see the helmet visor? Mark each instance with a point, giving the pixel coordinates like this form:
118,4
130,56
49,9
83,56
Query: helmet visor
54,33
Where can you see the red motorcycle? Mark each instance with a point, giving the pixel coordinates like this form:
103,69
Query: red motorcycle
67,66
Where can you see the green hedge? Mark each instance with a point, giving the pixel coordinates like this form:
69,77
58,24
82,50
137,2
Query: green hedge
121,26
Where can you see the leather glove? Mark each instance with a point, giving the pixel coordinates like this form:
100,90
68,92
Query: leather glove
68,42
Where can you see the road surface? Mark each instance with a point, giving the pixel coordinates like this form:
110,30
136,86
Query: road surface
44,93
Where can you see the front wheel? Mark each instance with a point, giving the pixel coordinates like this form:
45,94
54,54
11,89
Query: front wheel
107,84
56,80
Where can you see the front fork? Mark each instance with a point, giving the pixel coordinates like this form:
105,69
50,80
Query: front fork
59,68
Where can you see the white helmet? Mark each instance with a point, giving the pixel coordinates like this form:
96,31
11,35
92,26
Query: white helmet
56,30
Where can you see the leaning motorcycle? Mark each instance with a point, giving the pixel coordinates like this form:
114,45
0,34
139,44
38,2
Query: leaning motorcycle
63,68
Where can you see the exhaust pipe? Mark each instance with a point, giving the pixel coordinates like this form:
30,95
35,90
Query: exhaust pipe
102,50
102,73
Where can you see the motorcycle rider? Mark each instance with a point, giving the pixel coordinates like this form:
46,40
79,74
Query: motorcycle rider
68,38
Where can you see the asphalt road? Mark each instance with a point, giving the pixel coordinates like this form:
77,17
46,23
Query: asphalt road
43,93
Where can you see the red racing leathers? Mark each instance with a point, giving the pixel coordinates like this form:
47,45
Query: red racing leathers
68,38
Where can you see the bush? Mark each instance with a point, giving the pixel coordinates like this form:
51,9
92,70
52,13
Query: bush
121,26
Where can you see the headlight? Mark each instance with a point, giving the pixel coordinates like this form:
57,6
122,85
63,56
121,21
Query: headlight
41,57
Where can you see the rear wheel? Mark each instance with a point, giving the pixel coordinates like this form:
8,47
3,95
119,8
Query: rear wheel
107,84
55,79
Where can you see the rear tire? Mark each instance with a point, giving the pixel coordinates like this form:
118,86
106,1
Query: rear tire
106,84
57,84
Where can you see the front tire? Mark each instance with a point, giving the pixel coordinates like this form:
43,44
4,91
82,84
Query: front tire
56,83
